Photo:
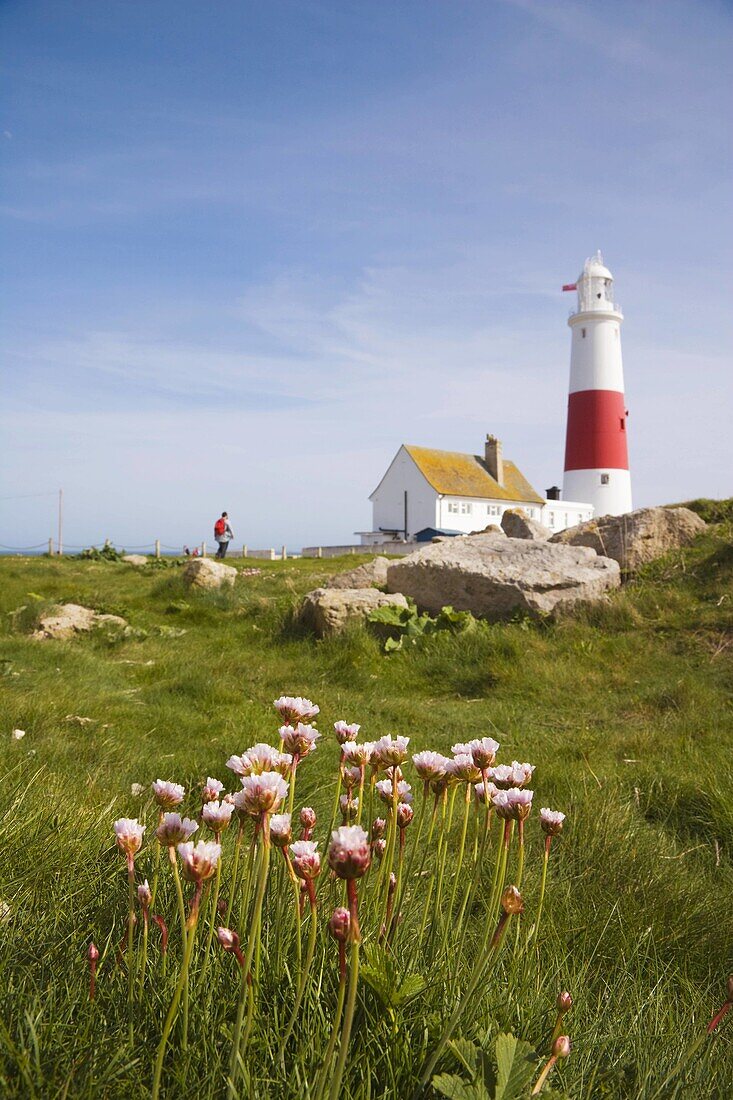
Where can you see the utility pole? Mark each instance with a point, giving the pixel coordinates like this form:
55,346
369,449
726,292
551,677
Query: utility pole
61,522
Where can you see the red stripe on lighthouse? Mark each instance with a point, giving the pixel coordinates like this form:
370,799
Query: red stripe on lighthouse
596,436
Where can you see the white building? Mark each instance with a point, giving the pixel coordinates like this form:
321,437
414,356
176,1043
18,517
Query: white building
425,492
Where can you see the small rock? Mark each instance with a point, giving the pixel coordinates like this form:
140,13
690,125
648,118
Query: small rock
70,619
134,559
207,573
635,538
18,735
328,610
364,576
517,525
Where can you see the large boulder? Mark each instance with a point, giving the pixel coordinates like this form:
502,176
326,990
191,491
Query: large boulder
70,619
494,578
207,573
364,576
134,559
328,610
637,537
517,525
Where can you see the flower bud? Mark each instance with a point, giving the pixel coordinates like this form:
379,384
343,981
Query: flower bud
564,1002
339,924
227,938
561,1046
93,952
144,894
280,830
308,817
348,853
379,827
511,901
405,814
379,847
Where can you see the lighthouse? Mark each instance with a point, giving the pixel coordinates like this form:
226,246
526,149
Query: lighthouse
596,452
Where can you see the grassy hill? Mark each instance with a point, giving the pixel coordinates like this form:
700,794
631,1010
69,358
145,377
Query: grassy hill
625,709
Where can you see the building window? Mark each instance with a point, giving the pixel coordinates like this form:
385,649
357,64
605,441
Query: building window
552,519
466,508
605,479
453,506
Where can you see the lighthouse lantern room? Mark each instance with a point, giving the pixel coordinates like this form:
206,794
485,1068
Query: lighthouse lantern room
596,452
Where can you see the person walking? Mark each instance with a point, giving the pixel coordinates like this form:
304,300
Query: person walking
223,535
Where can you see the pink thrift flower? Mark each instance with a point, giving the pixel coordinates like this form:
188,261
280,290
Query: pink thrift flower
351,777
389,751
463,748
144,894
463,769
349,854
430,765
379,846
174,829
212,790
227,938
305,858
281,832
379,828
239,765
295,708
299,741
261,758
129,835
346,731
217,815
261,793
199,862
308,817
349,807
551,821
513,804
166,794
485,794
384,791
483,750
511,775
357,753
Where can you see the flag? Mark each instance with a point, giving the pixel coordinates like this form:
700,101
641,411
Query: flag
570,286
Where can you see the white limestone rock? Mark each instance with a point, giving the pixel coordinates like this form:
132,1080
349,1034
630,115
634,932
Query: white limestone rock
328,610
517,525
364,576
494,578
208,573
635,538
70,619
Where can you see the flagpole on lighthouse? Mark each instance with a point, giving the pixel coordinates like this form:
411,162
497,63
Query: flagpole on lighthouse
596,451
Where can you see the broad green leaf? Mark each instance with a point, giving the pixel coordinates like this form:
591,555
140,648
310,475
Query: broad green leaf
392,644
466,1053
515,1067
455,1088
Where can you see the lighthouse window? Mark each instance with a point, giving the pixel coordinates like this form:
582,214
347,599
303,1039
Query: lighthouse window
582,332
605,479
623,423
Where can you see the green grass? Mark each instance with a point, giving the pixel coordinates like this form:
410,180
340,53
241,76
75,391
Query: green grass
625,708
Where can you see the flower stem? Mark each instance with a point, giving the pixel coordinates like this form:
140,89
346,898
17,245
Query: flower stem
544,1075
182,984
238,1045
235,869
535,931
130,960
184,937
309,953
355,934
328,1057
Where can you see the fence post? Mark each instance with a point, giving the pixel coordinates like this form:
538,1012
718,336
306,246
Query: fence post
203,549
272,554
50,548
284,554
352,550
244,550
320,552
157,548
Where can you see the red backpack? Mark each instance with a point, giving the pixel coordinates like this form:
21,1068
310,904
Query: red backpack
220,527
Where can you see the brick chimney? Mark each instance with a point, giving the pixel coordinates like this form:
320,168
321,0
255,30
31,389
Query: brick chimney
493,458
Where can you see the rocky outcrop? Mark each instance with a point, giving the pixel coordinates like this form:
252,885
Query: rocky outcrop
494,578
364,576
207,573
637,537
517,525
70,619
134,559
328,610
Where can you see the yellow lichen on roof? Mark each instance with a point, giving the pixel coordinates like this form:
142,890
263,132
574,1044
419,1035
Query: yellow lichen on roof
455,474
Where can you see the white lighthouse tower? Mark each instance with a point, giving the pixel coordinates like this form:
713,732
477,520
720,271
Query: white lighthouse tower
596,452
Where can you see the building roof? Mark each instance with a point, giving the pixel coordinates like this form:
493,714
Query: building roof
454,474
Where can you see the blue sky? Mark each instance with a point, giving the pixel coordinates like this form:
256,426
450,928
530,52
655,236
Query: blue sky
250,248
